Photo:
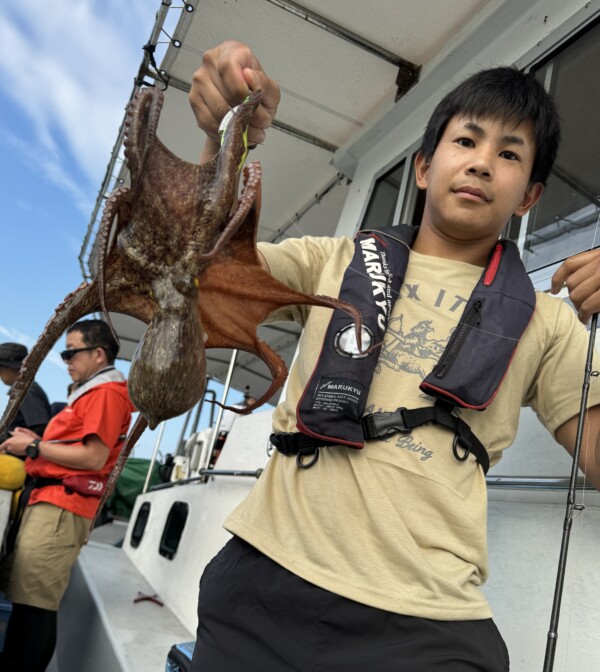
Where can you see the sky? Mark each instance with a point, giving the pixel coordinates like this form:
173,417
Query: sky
66,73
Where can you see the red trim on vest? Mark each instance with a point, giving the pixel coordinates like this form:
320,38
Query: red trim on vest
492,268
305,430
379,238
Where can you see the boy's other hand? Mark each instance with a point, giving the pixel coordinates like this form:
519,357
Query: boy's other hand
581,275
227,75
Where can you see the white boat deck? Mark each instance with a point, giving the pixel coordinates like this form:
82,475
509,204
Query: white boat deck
128,636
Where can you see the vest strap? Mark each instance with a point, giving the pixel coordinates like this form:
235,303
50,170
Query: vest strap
300,445
402,420
380,426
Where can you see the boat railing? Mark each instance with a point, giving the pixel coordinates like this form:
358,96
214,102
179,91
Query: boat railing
205,474
545,483
542,483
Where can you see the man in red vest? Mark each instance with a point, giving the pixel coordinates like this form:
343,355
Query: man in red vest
68,467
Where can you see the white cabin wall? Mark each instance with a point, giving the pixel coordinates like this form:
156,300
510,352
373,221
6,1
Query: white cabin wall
506,32
176,580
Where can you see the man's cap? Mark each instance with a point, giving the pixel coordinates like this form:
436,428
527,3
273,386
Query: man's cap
12,355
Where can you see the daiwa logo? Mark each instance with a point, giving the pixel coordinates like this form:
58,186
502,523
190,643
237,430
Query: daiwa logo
376,269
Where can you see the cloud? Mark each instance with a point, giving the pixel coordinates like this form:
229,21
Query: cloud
42,161
69,67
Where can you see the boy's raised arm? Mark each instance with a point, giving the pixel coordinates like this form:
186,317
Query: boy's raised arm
227,75
581,275
589,459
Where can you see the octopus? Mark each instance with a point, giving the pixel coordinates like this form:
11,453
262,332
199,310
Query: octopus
177,250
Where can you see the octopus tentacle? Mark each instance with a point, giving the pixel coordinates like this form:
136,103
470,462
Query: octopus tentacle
251,186
115,205
75,305
233,148
132,438
276,367
141,126
220,174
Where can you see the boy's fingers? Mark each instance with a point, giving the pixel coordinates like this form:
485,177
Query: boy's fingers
581,275
271,93
219,84
572,265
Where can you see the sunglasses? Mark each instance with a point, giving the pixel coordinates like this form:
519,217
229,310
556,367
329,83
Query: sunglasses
67,355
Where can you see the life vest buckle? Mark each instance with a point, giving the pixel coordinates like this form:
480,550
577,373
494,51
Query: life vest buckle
384,425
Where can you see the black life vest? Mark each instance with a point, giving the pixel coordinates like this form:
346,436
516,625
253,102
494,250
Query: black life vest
468,374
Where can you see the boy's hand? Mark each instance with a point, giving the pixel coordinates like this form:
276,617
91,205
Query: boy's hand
581,274
227,75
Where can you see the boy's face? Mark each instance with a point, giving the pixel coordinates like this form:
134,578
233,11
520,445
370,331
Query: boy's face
477,179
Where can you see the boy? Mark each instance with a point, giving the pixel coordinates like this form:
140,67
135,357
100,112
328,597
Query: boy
375,557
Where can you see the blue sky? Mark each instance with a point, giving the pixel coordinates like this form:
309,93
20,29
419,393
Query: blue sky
66,73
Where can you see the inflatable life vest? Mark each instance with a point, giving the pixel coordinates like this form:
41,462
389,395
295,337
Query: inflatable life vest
468,374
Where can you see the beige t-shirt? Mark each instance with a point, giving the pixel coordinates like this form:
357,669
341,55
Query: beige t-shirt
401,524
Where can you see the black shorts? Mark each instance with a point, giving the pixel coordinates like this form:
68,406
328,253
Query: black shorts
255,616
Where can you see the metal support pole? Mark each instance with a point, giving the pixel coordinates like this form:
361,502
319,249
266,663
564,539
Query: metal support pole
227,385
153,458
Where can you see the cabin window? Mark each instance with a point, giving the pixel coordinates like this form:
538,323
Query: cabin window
565,220
140,524
171,535
383,206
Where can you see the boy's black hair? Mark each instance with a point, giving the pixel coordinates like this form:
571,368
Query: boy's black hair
507,94
98,333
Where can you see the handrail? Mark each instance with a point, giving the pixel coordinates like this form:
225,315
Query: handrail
543,483
203,476
548,483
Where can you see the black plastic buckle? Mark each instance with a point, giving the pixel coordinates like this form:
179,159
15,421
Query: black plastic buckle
283,444
383,425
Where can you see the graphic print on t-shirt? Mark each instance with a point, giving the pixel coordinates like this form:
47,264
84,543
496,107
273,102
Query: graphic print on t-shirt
412,349
414,346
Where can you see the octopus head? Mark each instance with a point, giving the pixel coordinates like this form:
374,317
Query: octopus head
168,371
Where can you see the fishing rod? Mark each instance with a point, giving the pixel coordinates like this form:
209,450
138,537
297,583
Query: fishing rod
572,506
